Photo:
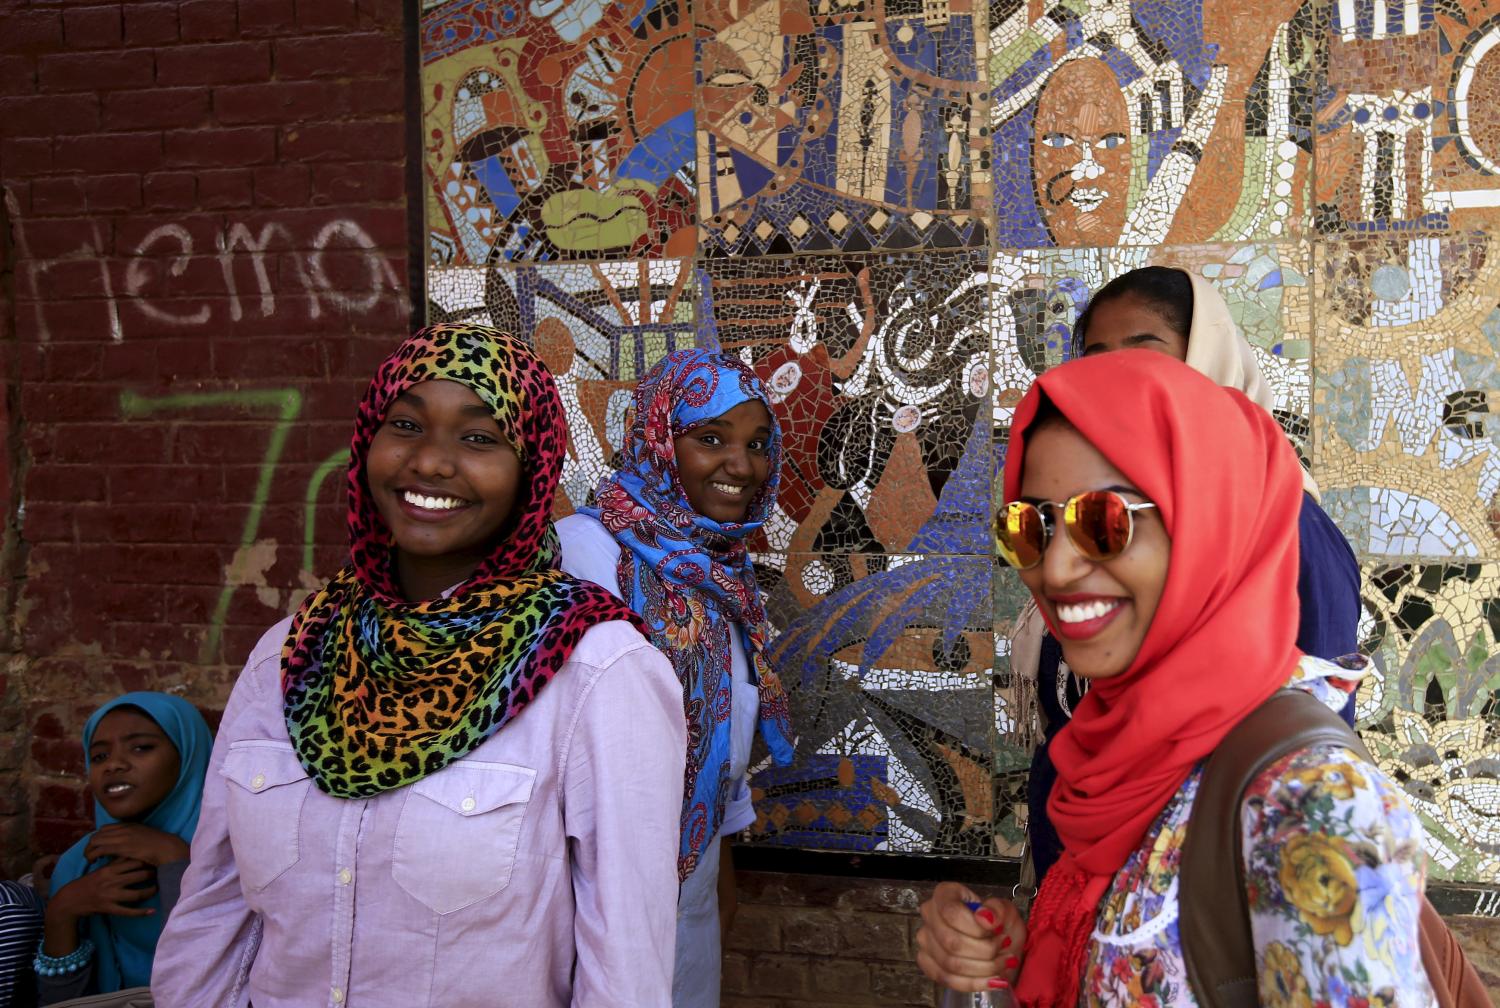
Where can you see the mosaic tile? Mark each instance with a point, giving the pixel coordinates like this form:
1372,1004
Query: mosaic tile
880,368
1430,711
825,126
1039,295
891,682
1464,170
557,130
1406,451
598,326
1407,135
895,212
1169,122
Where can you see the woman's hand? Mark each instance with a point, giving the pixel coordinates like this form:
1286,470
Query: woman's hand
113,889
969,949
136,842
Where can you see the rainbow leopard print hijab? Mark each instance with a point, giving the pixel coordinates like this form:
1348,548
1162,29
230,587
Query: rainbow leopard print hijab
379,692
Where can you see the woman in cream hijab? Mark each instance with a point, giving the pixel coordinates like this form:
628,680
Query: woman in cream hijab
1184,316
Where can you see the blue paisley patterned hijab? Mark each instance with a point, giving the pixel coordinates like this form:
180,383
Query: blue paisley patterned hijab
688,576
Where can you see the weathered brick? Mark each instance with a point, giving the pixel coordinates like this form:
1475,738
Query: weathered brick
62,756
93,27
38,30
112,192
317,15
781,975
150,23
755,929
53,836
26,157
874,936
381,13
96,71
164,484
345,141
169,190
211,63
230,147
59,195
128,178
841,980
363,54
226,189
358,182
901,982
266,17
156,107
207,20
735,977
49,115
810,931
64,483
282,102
282,185
137,152
62,801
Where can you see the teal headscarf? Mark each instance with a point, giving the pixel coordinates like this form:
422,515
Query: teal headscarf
125,946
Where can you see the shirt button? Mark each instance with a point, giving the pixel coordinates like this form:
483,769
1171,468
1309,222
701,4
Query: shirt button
258,781
467,804
338,995
345,876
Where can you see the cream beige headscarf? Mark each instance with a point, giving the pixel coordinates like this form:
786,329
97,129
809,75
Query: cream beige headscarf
1215,349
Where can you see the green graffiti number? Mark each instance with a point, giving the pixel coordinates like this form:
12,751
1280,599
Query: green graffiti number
286,406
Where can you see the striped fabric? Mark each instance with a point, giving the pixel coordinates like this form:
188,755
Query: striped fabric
20,930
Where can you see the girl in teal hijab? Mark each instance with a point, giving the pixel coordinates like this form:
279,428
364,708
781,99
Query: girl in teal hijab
146,756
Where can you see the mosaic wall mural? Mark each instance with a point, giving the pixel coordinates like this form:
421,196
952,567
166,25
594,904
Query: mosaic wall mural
894,210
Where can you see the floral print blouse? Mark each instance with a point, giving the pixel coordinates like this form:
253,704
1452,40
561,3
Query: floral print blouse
1334,867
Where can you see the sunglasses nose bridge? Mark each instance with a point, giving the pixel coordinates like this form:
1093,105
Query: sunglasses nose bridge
1061,557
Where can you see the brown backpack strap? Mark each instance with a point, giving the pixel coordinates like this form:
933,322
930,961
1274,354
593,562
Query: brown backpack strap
1214,922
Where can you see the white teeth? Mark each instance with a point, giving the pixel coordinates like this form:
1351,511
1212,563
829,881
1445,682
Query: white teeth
733,491
1085,611
433,503
117,788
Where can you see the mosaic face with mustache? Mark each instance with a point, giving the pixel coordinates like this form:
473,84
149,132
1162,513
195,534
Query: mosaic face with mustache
1080,154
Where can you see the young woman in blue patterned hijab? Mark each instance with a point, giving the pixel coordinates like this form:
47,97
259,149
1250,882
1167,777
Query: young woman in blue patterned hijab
688,574
699,471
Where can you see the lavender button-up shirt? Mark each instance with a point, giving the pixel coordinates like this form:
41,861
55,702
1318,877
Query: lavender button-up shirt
538,871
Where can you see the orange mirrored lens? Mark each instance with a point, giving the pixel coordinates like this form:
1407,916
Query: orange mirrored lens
1098,524
1019,536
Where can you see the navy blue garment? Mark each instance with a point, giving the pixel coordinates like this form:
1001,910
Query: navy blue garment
1328,589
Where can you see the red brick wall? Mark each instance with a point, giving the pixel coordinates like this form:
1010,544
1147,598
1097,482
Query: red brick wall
800,941
205,235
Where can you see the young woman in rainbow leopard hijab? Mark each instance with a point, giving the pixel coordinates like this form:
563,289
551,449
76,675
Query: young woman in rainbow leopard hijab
701,463
453,777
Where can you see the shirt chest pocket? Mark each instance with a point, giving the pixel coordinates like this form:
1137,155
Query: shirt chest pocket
456,839
267,787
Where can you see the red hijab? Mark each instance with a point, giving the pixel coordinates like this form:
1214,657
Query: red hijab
1228,487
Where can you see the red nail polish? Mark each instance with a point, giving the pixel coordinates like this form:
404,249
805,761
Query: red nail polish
995,983
987,916
1005,942
1012,962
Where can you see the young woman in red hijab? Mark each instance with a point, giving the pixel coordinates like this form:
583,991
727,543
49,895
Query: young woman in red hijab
1153,516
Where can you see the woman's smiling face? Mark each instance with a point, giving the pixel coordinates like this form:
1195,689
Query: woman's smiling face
722,463
1100,610
445,481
